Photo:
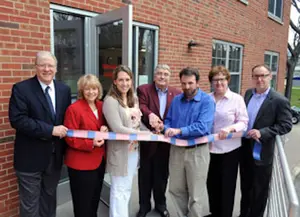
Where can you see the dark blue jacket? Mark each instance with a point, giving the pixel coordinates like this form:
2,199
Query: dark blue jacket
30,115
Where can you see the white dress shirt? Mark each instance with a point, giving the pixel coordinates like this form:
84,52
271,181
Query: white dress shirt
51,92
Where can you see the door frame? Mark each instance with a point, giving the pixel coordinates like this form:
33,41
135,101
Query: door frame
91,50
123,14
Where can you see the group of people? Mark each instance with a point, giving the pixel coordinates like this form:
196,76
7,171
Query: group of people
40,110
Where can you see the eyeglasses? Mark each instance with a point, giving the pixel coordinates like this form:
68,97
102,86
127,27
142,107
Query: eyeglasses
256,77
46,65
221,80
165,74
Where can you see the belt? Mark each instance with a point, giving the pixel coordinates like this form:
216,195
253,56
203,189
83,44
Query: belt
195,146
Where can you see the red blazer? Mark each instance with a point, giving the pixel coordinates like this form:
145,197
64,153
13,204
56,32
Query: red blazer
149,102
80,153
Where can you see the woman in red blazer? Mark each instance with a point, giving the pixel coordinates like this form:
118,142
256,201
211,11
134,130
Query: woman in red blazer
85,158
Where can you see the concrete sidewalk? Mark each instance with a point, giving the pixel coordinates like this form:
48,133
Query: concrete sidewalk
292,148
66,209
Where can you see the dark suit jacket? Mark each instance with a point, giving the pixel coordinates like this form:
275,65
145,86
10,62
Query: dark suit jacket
81,153
30,115
273,118
149,103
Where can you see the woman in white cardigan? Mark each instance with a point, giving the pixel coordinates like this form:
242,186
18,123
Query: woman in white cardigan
123,115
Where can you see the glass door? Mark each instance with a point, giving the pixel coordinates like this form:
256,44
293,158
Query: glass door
111,37
111,45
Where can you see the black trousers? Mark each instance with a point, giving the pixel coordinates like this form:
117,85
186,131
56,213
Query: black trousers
221,182
153,176
86,188
37,191
255,183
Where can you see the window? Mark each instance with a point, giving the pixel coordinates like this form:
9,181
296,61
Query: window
271,60
275,9
230,56
68,47
144,52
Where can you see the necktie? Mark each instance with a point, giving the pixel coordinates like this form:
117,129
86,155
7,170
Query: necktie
50,102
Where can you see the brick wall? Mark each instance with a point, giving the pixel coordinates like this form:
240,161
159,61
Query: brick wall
25,29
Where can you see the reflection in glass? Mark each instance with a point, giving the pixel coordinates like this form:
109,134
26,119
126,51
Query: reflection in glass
234,84
271,6
274,64
110,51
146,56
68,47
274,81
278,8
69,50
267,59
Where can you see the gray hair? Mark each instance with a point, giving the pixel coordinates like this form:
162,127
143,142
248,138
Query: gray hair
162,66
44,54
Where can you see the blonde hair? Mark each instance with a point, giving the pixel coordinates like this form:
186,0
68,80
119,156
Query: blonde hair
115,93
88,80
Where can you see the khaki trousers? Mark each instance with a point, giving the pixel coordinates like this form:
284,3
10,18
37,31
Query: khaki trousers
188,173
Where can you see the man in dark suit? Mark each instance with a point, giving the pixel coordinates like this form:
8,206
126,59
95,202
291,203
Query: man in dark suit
36,110
154,100
269,115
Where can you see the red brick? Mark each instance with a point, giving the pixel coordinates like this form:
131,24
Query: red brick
9,38
37,35
20,33
4,59
4,185
34,47
11,66
28,14
21,46
20,59
19,6
28,53
36,22
4,31
29,40
32,8
6,10
11,80
10,52
4,17
10,46
9,145
2,160
18,19
2,198
8,178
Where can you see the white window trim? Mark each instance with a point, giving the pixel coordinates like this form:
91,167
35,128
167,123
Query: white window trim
72,10
273,16
227,59
272,53
156,34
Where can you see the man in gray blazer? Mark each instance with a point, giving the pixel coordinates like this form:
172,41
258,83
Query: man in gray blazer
269,115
